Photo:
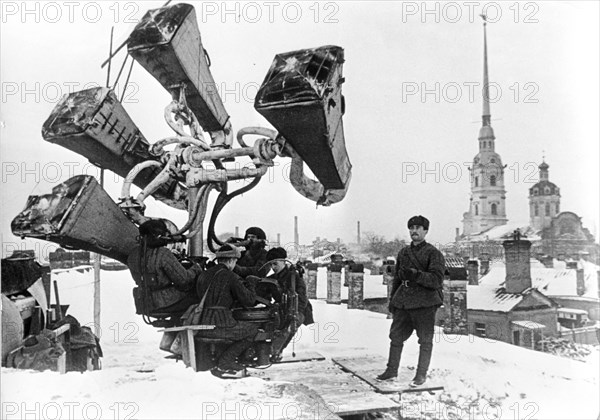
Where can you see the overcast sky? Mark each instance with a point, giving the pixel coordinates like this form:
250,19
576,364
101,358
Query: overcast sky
413,103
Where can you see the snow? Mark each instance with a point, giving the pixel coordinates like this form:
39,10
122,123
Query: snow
495,379
556,281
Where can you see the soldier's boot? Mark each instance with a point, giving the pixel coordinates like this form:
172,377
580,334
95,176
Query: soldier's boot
425,351
227,360
391,370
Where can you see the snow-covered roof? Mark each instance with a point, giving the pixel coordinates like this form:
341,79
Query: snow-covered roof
572,311
504,232
530,325
491,298
556,281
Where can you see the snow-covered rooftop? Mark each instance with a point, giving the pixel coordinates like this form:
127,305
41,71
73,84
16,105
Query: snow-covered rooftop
504,232
556,281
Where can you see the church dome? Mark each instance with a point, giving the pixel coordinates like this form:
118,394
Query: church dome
486,132
544,188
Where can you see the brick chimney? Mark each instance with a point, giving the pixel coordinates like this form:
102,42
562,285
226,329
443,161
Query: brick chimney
548,261
580,282
518,268
484,267
473,272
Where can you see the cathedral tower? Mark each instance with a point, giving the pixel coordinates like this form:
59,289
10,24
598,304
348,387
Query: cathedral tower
487,203
544,200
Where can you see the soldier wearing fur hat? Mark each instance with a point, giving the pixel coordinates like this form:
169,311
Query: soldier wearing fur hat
222,290
255,255
415,297
288,289
164,285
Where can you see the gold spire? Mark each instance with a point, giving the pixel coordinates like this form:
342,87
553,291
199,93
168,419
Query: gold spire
486,87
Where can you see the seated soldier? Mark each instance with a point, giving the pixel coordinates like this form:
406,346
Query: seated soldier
288,283
255,255
164,285
222,290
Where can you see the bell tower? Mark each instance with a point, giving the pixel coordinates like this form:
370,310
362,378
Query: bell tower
487,202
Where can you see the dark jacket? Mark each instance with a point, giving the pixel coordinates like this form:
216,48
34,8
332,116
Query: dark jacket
425,289
226,290
167,281
284,279
251,262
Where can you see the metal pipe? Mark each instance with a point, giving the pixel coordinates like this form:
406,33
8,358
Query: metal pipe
201,215
176,107
156,149
161,178
125,190
195,158
201,196
197,176
259,131
195,243
311,189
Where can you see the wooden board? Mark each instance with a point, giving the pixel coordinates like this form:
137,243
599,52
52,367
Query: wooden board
368,367
303,356
343,393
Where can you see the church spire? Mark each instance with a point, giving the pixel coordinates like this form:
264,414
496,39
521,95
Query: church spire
486,86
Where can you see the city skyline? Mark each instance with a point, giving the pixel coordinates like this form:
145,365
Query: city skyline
414,82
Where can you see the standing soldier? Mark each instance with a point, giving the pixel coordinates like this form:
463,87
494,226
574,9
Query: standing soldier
416,296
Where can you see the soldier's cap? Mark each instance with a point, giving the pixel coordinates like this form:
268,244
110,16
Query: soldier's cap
260,234
154,227
276,254
418,221
228,251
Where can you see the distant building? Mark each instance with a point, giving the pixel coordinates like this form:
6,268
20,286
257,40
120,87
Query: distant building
544,201
487,202
512,311
559,234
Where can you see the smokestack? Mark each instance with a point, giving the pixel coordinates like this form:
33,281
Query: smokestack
338,244
580,282
279,239
518,268
237,232
473,272
456,234
358,232
296,239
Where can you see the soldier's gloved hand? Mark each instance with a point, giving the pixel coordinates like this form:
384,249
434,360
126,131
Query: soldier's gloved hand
410,274
253,280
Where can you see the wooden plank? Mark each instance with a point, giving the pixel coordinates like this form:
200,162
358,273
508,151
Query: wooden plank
368,367
188,327
302,357
343,393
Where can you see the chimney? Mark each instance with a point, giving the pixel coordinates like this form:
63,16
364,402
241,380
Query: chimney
548,261
518,268
296,239
473,272
571,264
358,232
237,232
580,282
279,239
484,267
456,234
